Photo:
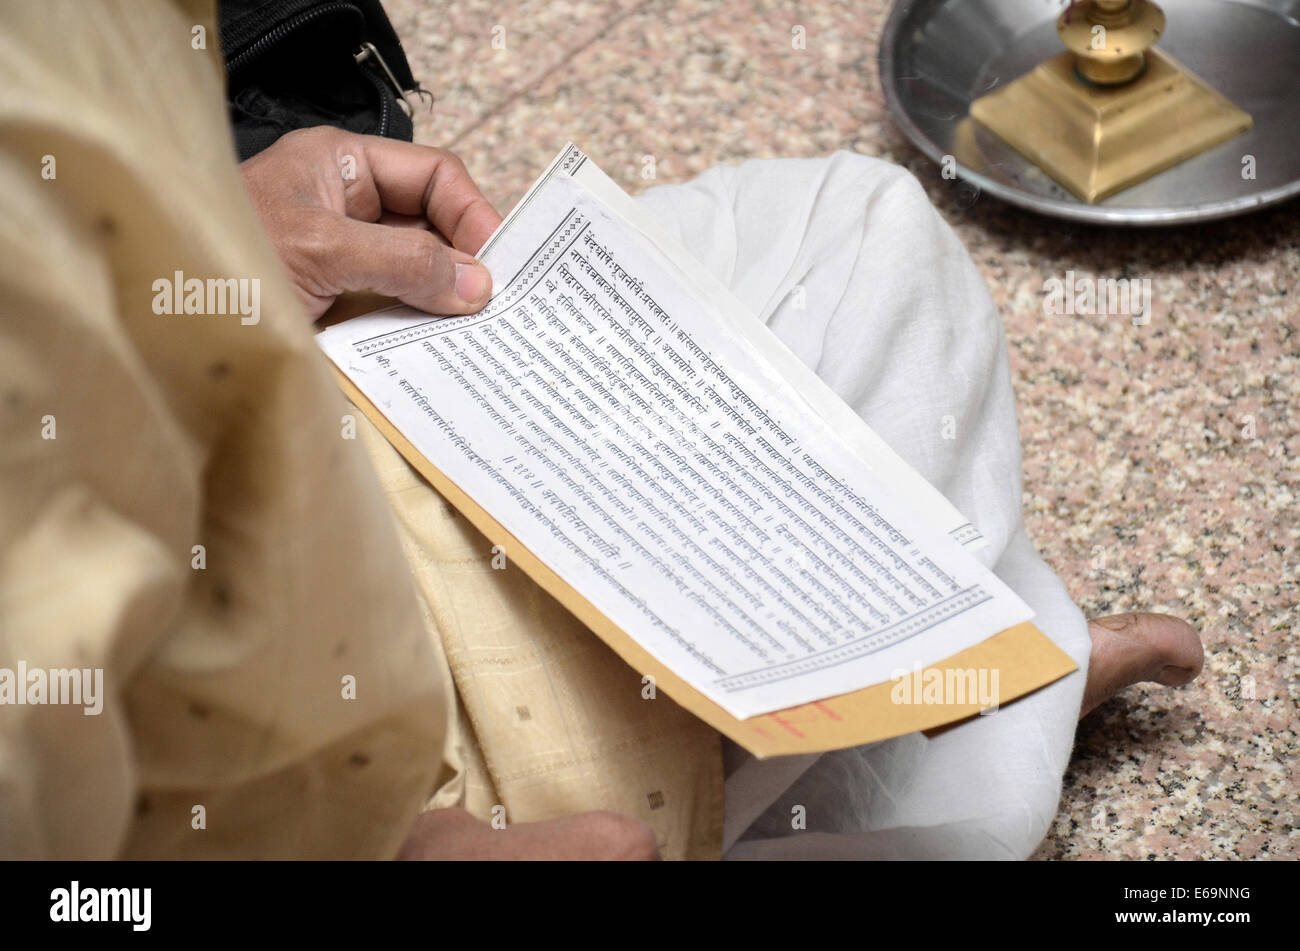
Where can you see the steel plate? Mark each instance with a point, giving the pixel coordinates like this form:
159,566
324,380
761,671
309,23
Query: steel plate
936,56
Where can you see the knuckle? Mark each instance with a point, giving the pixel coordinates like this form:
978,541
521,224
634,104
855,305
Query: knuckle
426,255
312,255
313,142
450,162
446,155
326,134
457,163
315,238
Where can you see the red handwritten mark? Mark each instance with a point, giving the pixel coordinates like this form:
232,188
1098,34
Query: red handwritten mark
828,711
788,726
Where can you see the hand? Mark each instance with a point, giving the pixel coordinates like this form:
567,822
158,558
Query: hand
453,834
351,212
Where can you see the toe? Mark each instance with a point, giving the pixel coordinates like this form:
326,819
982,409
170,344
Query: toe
1171,676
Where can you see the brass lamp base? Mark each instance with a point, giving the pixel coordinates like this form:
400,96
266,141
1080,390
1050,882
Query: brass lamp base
1099,140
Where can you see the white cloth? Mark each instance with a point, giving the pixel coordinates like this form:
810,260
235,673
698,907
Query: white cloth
849,264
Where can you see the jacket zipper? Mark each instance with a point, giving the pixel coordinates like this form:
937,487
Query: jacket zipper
382,89
280,32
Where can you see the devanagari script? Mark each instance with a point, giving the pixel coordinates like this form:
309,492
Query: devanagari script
618,411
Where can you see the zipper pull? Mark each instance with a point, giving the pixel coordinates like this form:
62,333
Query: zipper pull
367,52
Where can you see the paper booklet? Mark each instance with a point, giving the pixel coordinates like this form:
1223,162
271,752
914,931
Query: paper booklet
651,454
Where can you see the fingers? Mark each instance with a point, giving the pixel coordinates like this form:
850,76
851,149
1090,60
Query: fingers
418,180
394,220
410,264
354,212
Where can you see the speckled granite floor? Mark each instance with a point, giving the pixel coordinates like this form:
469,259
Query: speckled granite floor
1143,486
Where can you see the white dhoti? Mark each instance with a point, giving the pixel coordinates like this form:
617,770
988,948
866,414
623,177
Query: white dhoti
849,264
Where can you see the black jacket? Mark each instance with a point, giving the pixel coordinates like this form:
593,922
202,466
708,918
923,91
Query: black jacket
294,63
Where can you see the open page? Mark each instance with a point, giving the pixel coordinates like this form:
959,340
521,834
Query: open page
656,447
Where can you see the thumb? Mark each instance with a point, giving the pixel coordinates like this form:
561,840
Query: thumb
410,264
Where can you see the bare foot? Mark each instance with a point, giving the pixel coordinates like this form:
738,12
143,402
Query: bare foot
1133,648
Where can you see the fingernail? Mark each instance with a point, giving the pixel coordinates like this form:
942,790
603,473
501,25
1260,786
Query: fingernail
471,282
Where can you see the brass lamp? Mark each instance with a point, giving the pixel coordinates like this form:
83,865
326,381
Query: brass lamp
1110,111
